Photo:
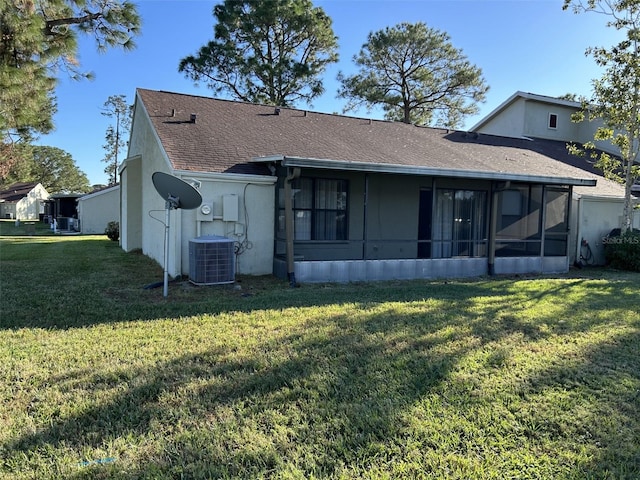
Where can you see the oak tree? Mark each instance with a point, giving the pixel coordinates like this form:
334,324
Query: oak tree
54,168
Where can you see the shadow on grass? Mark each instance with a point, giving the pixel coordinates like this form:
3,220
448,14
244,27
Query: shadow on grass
335,396
596,400
82,282
336,388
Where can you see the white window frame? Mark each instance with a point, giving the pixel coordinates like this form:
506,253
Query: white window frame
551,114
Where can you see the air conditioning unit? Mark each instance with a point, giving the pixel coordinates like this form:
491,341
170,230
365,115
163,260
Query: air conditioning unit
211,260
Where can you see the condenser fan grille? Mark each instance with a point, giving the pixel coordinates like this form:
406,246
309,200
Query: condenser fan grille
211,260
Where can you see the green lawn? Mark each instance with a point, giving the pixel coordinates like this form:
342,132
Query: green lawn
489,379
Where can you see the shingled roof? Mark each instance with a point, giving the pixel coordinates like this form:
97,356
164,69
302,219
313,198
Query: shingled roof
228,136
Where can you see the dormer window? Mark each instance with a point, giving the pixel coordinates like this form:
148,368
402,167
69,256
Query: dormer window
553,121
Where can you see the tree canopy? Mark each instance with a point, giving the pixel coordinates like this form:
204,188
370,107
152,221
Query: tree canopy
54,168
266,51
38,41
616,96
416,75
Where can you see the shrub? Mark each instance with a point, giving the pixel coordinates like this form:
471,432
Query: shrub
113,231
623,251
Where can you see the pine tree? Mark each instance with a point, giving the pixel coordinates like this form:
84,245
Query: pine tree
416,75
266,51
38,41
116,135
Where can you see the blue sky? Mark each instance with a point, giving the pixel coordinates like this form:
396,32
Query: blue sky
527,45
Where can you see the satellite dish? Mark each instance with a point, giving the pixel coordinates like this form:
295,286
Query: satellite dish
177,194
176,191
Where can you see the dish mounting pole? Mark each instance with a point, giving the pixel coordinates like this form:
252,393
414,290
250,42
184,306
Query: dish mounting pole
170,203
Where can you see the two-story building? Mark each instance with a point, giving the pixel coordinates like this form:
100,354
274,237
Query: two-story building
535,117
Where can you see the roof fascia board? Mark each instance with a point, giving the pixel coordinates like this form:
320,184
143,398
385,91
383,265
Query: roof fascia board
550,100
602,198
99,192
427,171
226,177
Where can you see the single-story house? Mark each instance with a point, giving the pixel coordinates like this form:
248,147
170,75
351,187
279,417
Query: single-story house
63,208
316,197
98,208
23,201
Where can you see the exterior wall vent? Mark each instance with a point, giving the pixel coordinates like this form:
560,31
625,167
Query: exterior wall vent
211,260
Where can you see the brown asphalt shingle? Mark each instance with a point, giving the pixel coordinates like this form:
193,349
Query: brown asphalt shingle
228,134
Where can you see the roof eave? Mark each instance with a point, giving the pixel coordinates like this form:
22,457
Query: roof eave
287,161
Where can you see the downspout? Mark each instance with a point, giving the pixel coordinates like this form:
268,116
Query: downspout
293,173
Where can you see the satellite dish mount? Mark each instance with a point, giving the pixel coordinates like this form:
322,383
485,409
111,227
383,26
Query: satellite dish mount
177,194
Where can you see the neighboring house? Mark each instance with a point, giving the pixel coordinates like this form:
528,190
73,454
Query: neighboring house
317,197
98,208
531,116
23,201
527,115
63,208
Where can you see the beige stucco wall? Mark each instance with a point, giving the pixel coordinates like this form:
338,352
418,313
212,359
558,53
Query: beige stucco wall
143,210
595,217
536,121
253,199
530,118
130,204
96,210
31,206
508,123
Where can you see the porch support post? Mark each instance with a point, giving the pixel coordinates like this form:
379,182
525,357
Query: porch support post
543,220
568,217
364,215
493,222
292,174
